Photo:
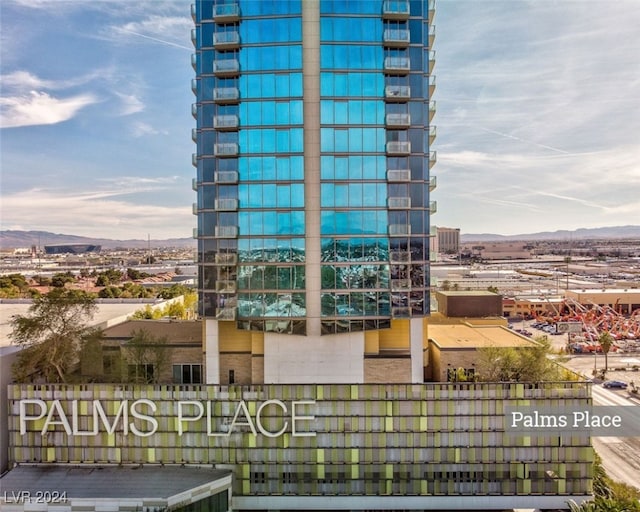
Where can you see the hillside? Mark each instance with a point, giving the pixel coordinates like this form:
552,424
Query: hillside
19,239
607,233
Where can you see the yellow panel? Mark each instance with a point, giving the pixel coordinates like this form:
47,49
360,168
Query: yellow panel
371,342
257,342
397,336
233,339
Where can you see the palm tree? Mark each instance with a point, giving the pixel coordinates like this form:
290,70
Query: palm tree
606,341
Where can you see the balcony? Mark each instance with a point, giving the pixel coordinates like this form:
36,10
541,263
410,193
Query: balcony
433,207
432,61
398,120
193,12
226,314
194,36
433,231
226,205
394,93
399,229
226,286
398,148
194,184
398,175
399,257
226,177
432,134
226,231
433,183
432,36
226,123
432,85
226,13
194,110
226,95
397,65
194,208
400,312
400,285
194,61
395,10
432,110
227,67
433,158
225,149
431,11
194,159
399,203
194,135
226,258
194,233
194,86
226,40
396,38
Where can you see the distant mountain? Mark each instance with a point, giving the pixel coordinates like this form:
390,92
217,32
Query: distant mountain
608,233
21,239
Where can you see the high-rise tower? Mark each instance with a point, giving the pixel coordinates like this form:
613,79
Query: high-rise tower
313,183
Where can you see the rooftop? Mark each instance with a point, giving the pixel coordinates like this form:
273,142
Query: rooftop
462,336
137,481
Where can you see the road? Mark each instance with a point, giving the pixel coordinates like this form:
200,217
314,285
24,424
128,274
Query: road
620,455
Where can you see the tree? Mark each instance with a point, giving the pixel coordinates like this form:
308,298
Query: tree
147,356
606,341
60,279
51,333
522,364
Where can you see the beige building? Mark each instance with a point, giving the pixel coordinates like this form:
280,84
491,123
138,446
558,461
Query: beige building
173,355
455,346
624,301
448,240
499,250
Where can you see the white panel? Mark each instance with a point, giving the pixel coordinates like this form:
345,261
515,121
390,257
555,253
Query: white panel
417,335
211,347
337,358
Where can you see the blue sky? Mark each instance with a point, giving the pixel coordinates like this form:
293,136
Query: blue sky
538,116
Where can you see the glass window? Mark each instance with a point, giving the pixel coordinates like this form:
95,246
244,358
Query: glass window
341,112
326,112
297,166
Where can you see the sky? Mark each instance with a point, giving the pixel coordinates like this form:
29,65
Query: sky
538,116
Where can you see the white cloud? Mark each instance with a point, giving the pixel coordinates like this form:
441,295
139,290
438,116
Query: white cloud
97,214
129,104
140,129
39,108
168,30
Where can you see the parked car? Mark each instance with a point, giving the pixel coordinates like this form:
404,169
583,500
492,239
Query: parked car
615,384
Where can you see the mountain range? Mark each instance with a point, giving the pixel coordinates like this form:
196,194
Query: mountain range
13,239
606,233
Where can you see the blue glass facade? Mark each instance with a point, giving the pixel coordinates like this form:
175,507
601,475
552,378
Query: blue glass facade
253,171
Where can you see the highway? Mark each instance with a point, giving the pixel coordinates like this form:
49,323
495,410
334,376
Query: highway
620,455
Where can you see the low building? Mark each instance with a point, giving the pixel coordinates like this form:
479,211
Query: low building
454,347
169,351
439,446
469,304
623,301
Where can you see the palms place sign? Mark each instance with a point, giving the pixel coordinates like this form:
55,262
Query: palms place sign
138,417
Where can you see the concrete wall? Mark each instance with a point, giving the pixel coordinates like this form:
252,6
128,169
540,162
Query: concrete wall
303,359
382,370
